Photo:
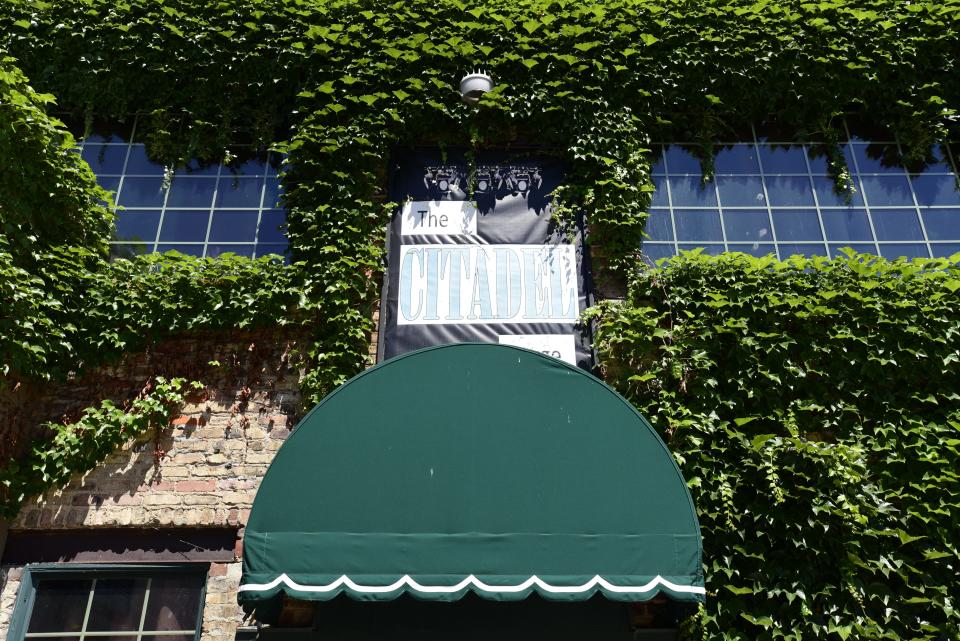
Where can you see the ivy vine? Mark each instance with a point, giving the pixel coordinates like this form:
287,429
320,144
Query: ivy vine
813,408
78,447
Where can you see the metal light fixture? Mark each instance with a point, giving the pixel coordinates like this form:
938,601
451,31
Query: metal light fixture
473,85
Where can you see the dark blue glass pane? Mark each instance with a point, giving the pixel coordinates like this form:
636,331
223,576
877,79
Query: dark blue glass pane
105,159
887,190
754,249
846,224
827,196
741,191
736,159
906,250
111,184
936,190
877,158
780,159
239,191
187,191
796,225
197,168
658,165
681,161
256,166
944,250
659,226
138,163
272,193
656,252
848,157
938,161
273,226
130,250
747,225
789,191
659,196
240,250
236,226
818,160
184,225
942,224
279,250
189,250
689,192
141,192
713,250
803,249
698,225
896,224
137,225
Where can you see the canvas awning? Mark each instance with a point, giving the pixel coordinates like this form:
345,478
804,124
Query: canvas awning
471,467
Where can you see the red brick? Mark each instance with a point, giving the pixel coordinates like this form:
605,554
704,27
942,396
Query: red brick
157,486
206,485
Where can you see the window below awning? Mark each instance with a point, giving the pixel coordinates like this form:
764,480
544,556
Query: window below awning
472,468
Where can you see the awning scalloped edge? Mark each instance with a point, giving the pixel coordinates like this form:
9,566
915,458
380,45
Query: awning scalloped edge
406,580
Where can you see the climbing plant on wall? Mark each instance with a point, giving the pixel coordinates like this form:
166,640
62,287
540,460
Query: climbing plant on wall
813,406
340,84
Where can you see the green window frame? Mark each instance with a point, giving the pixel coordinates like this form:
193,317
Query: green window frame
35,575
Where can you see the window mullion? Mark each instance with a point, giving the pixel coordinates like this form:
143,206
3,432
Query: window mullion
86,613
143,610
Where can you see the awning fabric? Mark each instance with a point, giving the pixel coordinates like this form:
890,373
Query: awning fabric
472,467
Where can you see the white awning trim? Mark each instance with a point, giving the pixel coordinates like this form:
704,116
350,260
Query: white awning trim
407,581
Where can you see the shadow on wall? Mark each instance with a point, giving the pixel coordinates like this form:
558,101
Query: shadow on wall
204,468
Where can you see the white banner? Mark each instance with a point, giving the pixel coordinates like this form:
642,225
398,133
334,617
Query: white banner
439,218
562,346
467,284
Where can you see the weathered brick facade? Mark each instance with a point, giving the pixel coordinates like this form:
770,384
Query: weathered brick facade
202,471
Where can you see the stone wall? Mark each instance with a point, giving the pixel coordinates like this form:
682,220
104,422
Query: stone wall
203,470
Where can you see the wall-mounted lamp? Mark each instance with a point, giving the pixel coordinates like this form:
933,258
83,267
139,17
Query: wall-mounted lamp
473,85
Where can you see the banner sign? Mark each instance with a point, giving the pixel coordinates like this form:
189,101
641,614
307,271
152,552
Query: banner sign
483,265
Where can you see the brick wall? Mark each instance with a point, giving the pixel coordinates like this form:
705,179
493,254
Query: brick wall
202,470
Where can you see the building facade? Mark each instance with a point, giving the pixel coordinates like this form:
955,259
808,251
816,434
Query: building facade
149,544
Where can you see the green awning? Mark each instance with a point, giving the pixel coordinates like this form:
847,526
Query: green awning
471,467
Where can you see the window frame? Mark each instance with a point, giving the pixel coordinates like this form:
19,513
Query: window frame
34,573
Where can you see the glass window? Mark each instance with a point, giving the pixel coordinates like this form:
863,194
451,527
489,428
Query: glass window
796,224
790,191
114,604
736,159
783,159
897,224
204,209
659,225
741,191
773,193
702,225
747,225
942,224
690,191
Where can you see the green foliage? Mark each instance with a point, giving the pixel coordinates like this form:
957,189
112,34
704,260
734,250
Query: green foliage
813,407
48,195
128,304
75,448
